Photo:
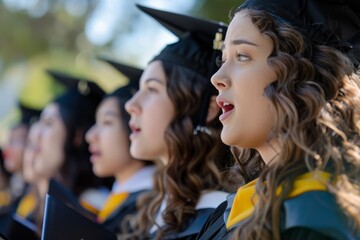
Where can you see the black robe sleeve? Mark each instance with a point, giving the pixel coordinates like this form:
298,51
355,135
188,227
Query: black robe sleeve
300,233
214,227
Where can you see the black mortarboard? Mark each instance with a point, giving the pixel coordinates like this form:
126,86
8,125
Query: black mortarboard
132,73
198,47
335,23
28,114
80,100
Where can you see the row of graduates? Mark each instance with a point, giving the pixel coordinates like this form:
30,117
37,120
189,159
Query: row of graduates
288,86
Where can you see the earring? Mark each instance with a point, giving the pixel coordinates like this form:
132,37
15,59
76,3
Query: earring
202,129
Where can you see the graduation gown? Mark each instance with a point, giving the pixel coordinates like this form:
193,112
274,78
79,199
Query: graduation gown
207,203
6,214
310,212
127,207
123,197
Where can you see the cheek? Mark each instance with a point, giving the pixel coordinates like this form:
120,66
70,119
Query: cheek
111,140
253,116
114,143
53,143
52,149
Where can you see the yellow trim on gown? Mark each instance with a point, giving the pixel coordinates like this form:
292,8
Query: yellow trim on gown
112,203
27,205
243,205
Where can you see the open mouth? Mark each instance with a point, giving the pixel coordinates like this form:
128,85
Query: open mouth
134,128
226,107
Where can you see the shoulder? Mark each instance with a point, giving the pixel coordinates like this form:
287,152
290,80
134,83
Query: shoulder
95,197
300,233
195,223
317,211
214,227
211,199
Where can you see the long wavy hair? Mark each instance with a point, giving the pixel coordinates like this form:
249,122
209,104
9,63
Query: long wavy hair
197,163
316,99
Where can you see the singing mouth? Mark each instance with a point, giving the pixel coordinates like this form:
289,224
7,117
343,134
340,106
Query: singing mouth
134,128
226,106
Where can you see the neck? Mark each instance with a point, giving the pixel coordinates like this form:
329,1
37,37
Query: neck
128,171
270,151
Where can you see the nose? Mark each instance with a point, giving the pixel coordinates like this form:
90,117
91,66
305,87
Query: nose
132,106
220,79
90,134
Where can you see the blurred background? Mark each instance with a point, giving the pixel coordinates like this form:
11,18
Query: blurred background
68,35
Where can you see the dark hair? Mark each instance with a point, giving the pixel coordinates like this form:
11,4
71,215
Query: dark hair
3,172
76,171
316,100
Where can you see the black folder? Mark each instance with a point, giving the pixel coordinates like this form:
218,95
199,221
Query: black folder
63,222
21,229
61,193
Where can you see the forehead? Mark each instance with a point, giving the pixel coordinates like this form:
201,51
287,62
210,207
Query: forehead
51,109
242,27
109,104
154,71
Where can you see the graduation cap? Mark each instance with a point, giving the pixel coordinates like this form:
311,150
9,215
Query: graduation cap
335,23
132,73
79,102
198,47
28,114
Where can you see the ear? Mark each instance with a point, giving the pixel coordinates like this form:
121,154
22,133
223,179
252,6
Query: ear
213,110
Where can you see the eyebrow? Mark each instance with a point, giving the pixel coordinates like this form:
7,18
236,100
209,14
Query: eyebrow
154,79
51,116
240,41
110,113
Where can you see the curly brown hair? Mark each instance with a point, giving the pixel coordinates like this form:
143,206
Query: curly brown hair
197,163
316,99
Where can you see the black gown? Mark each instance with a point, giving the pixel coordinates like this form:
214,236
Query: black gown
207,204
192,229
128,207
313,215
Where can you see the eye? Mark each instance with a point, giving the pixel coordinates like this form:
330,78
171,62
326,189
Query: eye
152,89
219,61
47,122
106,122
242,57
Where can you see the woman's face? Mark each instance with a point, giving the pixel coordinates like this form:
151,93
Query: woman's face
14,151
51,142
108,140
248,116
151,112
31,151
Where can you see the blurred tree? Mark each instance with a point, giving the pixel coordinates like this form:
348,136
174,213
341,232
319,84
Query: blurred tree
24,36
218,10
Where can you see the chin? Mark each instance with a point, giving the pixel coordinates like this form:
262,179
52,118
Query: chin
98,172
136,152
227,138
